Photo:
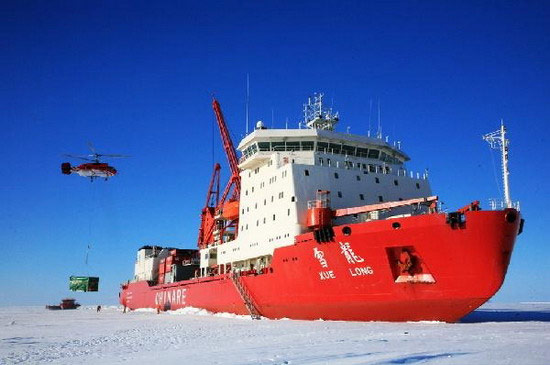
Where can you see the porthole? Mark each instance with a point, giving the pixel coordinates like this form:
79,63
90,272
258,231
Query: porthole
396,225
346,231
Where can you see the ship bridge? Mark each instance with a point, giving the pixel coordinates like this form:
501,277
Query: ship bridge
257,147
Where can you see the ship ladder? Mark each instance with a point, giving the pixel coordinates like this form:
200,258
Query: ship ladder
245,296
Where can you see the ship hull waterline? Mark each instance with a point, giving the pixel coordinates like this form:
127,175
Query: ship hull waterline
356,276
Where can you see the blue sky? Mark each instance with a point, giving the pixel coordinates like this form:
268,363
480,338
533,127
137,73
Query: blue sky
137,79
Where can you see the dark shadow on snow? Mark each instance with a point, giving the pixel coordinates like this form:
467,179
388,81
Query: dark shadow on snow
411,359
496,315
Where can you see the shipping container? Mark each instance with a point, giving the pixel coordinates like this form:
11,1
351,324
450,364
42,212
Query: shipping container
83,283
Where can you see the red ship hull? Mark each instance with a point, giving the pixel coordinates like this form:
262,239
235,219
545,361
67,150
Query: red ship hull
463,265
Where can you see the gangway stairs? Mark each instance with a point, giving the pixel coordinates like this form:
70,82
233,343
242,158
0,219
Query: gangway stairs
245,296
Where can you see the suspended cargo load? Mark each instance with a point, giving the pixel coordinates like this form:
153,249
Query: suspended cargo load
83,283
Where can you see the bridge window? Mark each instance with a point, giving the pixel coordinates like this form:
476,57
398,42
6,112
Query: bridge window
362,152
277,146
307,145
335,148
293,146
348,150
374,153
263,146
322,146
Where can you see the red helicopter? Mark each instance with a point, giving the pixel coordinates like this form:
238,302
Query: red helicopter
94,168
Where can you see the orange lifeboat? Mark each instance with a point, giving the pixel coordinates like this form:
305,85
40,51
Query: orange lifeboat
230,210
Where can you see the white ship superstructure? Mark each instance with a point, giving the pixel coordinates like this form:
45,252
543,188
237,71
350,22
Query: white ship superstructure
282,169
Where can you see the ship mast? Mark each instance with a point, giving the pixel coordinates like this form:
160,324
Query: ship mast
498,140
318,117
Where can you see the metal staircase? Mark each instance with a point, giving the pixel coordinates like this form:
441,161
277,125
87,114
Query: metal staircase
245,296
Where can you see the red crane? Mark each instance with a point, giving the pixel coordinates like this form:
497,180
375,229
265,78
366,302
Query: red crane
220,216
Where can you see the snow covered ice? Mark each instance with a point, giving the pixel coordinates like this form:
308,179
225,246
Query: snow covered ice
495,333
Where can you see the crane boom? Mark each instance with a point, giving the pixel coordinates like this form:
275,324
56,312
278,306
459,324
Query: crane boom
218,216
235,179
226,139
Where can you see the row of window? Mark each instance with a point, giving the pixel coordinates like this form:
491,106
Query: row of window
325,147
382,169
358,178
244,227
281,196
271,180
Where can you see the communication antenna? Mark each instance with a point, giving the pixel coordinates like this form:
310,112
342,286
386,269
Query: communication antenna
272,117
379,133
370,113
498,140
247,99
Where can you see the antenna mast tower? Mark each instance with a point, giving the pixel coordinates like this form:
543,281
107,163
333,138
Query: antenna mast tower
318,117
498,140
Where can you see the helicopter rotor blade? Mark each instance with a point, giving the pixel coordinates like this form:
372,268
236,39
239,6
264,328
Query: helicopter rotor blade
92,148
113,156
79,157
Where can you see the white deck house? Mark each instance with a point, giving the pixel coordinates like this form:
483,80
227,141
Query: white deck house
282,169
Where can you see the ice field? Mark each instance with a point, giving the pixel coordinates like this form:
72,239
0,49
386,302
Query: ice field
495,334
